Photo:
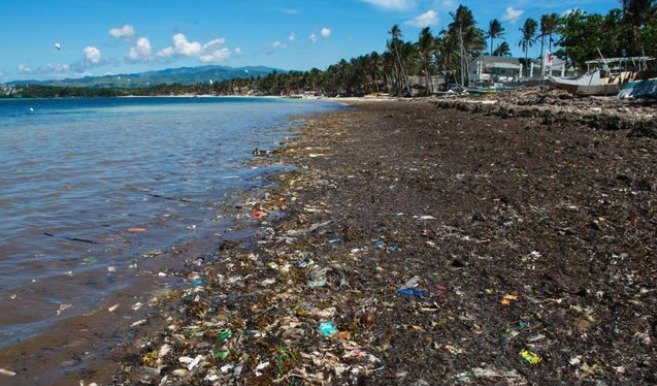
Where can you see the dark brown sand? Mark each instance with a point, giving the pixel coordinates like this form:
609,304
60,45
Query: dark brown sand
517,234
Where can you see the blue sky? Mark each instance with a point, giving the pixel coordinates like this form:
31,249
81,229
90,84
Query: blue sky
118,36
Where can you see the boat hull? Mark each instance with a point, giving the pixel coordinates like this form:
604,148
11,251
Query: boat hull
646,88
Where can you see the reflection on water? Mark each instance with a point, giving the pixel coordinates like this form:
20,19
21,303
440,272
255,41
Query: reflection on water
77,173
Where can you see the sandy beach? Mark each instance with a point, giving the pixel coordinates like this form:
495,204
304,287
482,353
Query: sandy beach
422,245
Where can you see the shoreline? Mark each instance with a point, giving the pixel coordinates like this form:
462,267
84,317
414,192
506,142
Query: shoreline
374,207
431,246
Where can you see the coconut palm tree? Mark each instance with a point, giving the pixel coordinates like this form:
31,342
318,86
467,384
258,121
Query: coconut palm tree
394,45
528,31
426,47
502,49
495,30
462,33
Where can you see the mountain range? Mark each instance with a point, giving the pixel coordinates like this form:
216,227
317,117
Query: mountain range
182,75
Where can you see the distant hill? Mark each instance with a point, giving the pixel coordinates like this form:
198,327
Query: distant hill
182,75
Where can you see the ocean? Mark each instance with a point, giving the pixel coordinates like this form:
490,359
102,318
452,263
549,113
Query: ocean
91,188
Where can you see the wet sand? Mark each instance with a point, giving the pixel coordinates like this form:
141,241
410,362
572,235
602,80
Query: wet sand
444,246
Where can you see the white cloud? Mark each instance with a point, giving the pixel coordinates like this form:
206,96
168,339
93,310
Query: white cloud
23,69
92,54
277,45
125,32
214,51
426,19
238,51
512,15
325,32
181,46
141,50
394,5
292,37
312,38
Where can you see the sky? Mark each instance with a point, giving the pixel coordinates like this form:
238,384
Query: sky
47,39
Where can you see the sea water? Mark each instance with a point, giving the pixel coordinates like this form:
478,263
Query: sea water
77,174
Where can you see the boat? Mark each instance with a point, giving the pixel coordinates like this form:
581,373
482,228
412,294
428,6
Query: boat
645,88
604,76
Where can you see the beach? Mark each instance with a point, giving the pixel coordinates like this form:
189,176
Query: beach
427,241
421,245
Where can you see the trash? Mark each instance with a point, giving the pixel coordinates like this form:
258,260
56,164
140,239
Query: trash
113,308
139,323
197,281
224,335
379,244
411,283
343,335
368,318
393,247
7,373
507,299
221,354
226,368
522,325
530,357
191,227
412,292
317,277
258,214
191,362
136,230
260,367
327,329
164,350
63,307
136,306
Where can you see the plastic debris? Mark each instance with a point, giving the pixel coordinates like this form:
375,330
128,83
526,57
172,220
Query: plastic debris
413,292
530,357
63,307
260,367
508,299
327,329
317,277
522,325
7,373
224,335
113,308
221,354
136,230
258,214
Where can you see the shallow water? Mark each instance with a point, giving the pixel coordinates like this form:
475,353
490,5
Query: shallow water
76,174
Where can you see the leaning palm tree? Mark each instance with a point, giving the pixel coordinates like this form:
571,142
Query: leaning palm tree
495,30
394,45
528,31
502,50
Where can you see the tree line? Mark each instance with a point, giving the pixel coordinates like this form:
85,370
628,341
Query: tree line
630,30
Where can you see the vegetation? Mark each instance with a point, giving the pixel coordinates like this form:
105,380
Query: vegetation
630,30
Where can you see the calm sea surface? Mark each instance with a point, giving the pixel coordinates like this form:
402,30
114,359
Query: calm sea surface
76,174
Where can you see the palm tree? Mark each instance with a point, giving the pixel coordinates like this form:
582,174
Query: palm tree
394,46
528,31
463,34
502,50
495,30
426,46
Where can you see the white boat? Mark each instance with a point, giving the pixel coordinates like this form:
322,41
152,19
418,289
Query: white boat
604,76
